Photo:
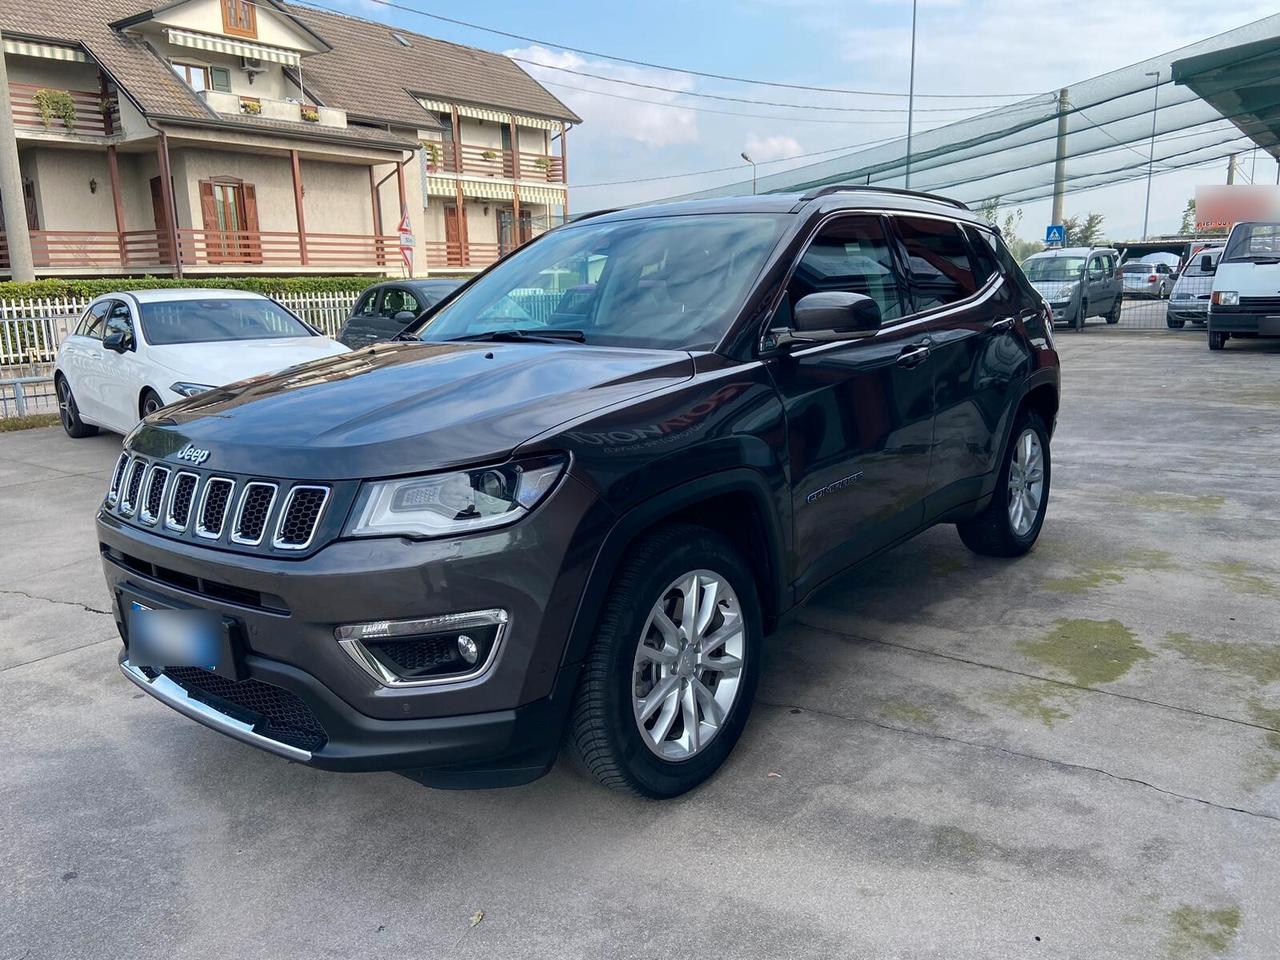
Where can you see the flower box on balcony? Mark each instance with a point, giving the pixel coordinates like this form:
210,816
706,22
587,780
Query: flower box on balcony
251,106
309,113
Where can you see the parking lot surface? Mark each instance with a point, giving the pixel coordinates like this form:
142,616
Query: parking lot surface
1076,754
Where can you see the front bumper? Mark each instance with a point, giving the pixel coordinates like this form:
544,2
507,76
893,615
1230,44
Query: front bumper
1244,320
1188,314
501,726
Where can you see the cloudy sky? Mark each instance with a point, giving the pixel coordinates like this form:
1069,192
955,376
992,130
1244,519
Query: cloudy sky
989,48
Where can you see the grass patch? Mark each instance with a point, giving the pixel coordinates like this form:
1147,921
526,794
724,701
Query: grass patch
27,422
1090,576
1203,505
1242,578
1197,933
1260,661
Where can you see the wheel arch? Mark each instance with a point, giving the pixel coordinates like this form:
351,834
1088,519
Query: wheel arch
142,395
738,504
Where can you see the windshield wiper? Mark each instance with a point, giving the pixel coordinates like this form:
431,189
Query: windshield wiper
525,336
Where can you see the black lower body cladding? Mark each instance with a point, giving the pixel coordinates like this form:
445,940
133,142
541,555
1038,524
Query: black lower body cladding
500,726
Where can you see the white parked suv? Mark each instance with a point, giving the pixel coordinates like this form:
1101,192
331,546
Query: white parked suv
1245,301
134,352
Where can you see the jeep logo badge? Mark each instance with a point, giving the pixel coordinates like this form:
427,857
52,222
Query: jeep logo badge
193,454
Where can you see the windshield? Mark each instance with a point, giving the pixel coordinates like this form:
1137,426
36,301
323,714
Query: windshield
216,320
664,282
1254,241
1053,268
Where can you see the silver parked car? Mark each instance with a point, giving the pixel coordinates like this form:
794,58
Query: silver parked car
1077,283
1189,301
1152,276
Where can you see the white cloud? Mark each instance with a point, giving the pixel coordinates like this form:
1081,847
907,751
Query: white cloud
772,147
607,117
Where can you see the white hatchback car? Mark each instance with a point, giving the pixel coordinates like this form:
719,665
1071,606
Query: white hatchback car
134,352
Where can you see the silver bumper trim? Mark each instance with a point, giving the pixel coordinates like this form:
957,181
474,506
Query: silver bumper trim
174,696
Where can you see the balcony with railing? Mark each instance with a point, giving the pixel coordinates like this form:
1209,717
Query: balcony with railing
70,252
54,110
269,108
478,161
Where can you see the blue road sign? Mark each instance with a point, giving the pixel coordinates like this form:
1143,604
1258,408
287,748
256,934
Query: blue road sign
1055,234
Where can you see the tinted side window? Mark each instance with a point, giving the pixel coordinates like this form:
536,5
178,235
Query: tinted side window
1097,268
396,299
851,254
91,323
368,305
984,258
938,258
119,320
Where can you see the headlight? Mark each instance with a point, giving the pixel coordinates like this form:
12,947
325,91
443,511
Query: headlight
189,389
1226,298
451,503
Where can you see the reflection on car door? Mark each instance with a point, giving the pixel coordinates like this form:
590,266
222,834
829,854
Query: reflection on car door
859,412
1102,293
81,359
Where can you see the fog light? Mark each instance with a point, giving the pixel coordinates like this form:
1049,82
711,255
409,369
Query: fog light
444,649
467,647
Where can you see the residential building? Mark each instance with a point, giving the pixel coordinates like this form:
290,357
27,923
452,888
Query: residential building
241,136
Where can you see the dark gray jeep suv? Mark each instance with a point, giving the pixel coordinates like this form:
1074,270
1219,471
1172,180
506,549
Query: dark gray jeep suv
448,556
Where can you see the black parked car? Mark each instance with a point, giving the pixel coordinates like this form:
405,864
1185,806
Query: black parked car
447,556
385,309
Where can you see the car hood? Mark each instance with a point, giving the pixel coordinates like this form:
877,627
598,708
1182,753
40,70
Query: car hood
219,363
1055,290
398,408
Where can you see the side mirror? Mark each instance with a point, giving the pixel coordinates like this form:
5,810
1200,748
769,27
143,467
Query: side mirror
404,316
117,341
835,315
1206,264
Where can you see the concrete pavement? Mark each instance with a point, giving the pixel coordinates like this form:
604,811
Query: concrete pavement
1076,754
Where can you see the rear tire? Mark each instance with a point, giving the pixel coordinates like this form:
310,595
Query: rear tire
1011,522
1217,340
1114,316
1174,324
1082,315
69,413
634,658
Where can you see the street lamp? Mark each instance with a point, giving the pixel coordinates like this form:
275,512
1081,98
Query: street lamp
753,171
1151,157
911,96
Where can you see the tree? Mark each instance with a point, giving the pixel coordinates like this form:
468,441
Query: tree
1008,225
1086,233
1188,227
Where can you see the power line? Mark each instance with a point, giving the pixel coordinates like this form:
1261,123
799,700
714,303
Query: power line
751,100
657,66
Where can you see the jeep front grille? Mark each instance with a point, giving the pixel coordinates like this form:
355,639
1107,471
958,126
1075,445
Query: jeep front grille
213,507
299,517
184,494
244,513
157,480
251,516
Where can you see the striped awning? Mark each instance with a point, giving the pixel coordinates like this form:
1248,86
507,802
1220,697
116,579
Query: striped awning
488,113
47,51
551,196
236,48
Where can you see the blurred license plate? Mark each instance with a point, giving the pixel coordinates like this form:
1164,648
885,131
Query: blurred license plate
179,638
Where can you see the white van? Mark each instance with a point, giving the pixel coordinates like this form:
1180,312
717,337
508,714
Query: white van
1246,284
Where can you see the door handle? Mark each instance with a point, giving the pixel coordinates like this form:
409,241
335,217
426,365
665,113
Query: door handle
913,355
1003,325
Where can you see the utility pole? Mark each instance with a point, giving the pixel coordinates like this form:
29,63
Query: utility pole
1231,169
753,171
1151,157
1060,161
911,94
12,202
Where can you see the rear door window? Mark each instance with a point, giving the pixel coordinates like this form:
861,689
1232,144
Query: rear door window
941,270
984,258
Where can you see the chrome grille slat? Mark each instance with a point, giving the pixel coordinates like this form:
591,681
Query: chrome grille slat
132,486
253,512
300,516
117,479
181,498
214,505
152,500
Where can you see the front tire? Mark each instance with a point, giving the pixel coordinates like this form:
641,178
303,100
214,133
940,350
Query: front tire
1114,316
1217,340
1174,324
669,681
149,403
69,413
1011,522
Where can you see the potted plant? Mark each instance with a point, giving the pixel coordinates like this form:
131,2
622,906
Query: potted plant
489,155
542,163
310,113
55,104
433,154
251,106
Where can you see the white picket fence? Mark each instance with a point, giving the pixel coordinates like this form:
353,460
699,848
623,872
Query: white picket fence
32,329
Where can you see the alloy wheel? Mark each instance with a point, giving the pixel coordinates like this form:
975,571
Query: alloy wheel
688,665
1026,482
66,410
150,406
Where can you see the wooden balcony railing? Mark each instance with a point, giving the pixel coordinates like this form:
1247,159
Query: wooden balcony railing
285,249
73,250
93,114
454,254
492,162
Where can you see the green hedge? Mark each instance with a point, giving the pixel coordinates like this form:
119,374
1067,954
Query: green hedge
11,290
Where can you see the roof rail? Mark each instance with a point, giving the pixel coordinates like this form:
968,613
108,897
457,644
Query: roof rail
898,191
